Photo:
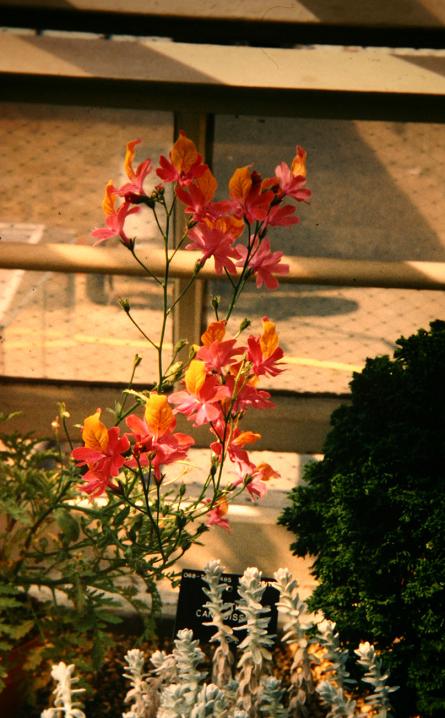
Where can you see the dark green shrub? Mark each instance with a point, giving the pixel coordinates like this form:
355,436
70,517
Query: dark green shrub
373,513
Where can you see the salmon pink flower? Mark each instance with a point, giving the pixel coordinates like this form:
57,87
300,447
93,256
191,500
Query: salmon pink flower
185,163
235,448
114,218
103,454
292,179
264,263
198,195
218,354
217,515
248,396
281,215
215,352
264,352
213,242
202,396
255,479
136,177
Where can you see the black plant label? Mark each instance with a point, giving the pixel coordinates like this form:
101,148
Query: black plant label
192,613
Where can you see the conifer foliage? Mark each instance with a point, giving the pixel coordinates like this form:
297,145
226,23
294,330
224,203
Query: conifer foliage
373,513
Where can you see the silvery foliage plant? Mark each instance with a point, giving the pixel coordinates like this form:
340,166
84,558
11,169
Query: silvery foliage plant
176,687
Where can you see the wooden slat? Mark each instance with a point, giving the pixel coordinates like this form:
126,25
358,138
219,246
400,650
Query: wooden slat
312,82
303,270
398,13
328,69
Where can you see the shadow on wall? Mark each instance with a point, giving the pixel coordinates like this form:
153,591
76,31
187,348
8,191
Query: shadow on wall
374,183
378,12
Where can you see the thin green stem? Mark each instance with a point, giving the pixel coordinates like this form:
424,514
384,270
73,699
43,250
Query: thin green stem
145,268
121,415
139,328
154,523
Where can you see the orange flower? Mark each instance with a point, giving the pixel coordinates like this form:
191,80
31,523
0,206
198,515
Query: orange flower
240,183
185,163
94,432
183,154
214,333
207,185
265,472
108,201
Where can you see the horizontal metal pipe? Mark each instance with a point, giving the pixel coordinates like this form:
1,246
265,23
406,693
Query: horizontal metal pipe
68,258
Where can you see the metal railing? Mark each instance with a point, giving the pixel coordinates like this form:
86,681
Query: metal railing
302,270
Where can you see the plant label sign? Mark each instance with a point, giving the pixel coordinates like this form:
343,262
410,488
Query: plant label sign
191,612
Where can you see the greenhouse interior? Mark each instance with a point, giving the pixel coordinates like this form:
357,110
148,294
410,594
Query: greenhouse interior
222,359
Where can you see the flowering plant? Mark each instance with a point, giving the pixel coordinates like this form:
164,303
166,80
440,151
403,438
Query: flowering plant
219,377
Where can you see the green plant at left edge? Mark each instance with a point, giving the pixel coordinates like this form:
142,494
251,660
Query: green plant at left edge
62,562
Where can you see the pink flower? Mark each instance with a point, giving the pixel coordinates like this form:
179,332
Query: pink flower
103,454
217,515
213,242
292,179
203,394
264,352
156,444
281,215
198,195
114,218
255,479
249,197
185,163
248,396
263,364
264,263
235,447
218,354
136,177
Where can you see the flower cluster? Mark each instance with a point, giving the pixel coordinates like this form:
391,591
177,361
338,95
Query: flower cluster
219,377
220,384
214,228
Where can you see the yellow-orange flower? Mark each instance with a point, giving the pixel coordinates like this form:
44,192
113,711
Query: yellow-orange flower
159,415
129,157
269,339
298,166
195,376
108,201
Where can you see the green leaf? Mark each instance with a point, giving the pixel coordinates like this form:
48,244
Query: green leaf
22,629
121,516
68,525
109,617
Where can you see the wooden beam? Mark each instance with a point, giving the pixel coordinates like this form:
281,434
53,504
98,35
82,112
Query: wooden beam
396,13
306,417
327,69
